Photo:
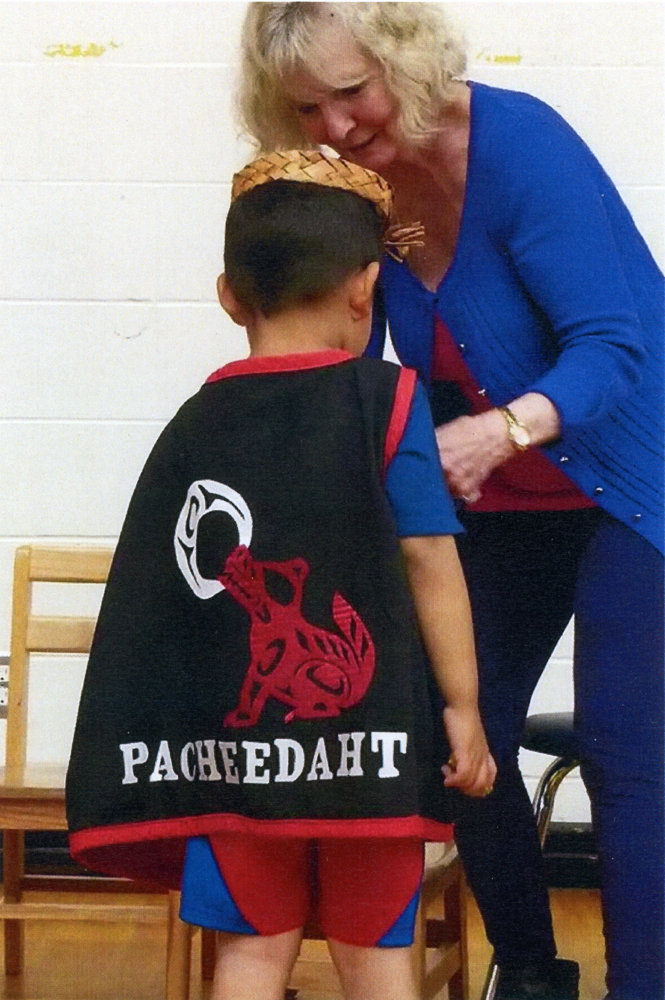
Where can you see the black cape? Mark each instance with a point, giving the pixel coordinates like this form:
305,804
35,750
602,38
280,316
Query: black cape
256,664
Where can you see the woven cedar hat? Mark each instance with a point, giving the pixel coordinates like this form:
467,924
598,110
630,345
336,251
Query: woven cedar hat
311,166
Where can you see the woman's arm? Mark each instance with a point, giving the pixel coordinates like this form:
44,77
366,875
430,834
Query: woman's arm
567,234
557,217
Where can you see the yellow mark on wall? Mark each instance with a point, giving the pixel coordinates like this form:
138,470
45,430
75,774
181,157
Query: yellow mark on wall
499,58
79,51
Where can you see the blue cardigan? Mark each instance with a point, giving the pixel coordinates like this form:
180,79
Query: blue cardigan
552,290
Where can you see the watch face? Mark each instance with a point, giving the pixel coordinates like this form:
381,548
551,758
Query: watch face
520,436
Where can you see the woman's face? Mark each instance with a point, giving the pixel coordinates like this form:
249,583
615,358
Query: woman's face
352,111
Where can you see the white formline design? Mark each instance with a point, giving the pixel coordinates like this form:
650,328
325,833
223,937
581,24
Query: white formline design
203,497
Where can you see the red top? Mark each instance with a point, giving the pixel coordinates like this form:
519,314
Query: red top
529,481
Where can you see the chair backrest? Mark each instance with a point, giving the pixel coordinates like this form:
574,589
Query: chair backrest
38,633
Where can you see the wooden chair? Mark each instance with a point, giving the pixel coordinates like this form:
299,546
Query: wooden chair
32,795
440,947
439,951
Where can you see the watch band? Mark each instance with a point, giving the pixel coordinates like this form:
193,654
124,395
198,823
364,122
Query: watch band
518,432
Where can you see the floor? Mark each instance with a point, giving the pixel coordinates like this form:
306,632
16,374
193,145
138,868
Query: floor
86,961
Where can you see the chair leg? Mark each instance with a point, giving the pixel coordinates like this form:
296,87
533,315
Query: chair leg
178,952
418,954
208,953
13,866
491,982
543,801
456,921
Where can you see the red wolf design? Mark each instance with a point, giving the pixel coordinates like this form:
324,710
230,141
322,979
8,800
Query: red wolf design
316,672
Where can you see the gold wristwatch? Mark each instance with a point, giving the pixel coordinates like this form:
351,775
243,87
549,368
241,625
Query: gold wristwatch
517,431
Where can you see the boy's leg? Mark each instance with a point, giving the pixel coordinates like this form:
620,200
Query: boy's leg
256,892
374,973
368,898
251,967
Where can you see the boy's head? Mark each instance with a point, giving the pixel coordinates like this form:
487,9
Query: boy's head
298,227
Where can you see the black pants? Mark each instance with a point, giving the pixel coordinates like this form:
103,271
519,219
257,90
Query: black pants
527,574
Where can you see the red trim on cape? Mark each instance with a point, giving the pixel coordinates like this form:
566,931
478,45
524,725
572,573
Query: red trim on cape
406,386
97,837
269,364
153,851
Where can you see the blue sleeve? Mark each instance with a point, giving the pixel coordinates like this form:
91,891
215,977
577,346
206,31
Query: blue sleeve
416,489
559,211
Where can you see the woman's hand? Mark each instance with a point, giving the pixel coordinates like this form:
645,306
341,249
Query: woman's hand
469,449
471,767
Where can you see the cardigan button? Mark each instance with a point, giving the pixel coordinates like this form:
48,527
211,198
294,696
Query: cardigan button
563,459
598,490
637,517
482,392
462,347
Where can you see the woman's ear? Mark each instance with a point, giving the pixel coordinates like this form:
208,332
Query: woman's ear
230,304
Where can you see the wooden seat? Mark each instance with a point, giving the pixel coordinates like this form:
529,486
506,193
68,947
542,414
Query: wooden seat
32,795
439,951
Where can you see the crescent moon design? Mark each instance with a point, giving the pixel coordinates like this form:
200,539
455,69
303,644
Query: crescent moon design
203,497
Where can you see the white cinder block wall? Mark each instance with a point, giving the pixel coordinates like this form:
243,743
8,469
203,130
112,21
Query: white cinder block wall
117,145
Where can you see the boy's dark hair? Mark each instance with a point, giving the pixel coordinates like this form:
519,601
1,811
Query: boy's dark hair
289,241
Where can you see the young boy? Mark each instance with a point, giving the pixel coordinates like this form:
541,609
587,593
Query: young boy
258,721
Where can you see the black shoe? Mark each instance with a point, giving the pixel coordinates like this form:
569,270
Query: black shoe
558,980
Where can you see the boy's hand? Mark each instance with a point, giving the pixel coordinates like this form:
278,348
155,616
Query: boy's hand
471,767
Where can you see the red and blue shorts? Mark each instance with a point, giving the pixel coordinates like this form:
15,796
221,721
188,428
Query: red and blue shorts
363,892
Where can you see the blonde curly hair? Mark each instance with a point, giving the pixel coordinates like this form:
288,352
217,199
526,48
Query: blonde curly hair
418,49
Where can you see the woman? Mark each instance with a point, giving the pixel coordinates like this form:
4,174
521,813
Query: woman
533,311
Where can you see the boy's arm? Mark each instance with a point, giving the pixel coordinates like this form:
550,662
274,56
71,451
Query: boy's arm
444,615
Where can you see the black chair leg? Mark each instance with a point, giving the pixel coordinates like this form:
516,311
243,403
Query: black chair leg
548,786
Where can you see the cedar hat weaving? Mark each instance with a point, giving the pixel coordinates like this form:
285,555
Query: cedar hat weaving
314,167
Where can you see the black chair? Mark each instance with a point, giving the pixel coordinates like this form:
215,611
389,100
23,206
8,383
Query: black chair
551,733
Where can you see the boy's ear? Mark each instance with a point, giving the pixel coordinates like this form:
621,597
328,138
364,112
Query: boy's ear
362,290
229,302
